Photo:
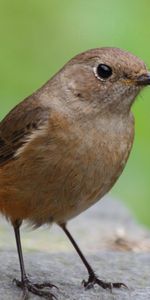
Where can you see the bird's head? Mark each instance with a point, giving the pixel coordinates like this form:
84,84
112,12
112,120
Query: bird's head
107,79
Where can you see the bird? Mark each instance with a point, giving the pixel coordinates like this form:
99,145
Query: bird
64,147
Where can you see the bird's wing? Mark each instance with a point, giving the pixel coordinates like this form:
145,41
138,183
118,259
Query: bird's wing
29,115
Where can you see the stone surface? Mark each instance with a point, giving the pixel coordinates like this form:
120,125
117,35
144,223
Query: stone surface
116,246
67,272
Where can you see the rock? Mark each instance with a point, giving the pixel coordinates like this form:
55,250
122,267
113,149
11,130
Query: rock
67,272
115,245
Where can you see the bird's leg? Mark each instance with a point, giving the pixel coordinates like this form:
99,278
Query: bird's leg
25,284
92,279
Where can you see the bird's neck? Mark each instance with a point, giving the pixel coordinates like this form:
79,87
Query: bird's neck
76,108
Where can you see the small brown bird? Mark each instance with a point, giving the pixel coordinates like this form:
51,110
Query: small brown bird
64,147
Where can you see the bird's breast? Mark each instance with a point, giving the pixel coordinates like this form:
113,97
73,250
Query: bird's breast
65,169
99,160
86,162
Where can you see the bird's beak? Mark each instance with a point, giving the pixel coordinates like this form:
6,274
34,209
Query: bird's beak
143,80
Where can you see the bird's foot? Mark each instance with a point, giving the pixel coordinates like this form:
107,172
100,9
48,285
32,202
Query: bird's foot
35,288
93,279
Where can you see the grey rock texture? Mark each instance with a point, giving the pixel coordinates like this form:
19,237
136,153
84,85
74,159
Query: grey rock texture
115,245
66,271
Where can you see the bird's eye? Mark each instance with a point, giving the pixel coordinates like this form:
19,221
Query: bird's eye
103,71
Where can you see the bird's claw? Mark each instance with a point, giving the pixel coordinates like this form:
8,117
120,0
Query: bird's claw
93,279
35,288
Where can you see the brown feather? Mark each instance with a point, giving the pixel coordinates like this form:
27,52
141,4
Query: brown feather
71,139
18,125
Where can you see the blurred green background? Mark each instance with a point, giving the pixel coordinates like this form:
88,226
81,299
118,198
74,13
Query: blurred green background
37,37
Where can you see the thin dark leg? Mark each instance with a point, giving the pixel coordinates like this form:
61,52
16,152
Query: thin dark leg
93,279
25,283
87,265
19,250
